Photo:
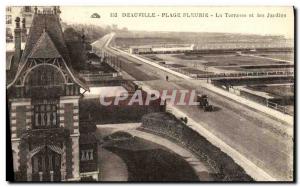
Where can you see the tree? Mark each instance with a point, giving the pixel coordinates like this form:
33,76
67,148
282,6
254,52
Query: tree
75,47
70,34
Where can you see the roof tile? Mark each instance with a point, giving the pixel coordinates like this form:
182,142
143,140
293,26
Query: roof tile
44,48
49,45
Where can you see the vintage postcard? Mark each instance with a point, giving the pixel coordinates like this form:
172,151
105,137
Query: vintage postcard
150,93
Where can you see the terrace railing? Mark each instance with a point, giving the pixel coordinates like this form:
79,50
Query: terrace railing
273,105
99,76
278,107
247,74
228,75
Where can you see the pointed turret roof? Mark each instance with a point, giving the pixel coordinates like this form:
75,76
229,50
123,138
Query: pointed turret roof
44,48
46,40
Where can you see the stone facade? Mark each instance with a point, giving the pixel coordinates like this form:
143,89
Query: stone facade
21,111
43,101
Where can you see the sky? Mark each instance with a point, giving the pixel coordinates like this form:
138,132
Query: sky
282,25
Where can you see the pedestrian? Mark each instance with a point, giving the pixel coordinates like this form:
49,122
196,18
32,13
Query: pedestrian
167,78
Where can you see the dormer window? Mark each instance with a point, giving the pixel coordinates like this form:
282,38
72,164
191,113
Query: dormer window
45,75
27,9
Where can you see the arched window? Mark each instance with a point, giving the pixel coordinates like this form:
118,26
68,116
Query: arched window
27,9
45,115
46,162
44,81
44,75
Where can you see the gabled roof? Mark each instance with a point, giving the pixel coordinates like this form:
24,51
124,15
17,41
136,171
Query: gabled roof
11,67
9,59
45,40
44,48
45,23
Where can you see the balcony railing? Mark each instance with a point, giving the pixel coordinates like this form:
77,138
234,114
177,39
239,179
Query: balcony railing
45,136
44,91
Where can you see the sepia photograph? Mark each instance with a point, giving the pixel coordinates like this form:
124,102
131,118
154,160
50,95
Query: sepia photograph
150,94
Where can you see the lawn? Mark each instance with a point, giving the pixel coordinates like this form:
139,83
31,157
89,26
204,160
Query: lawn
188,57
281,56
150,162
195,71
217,60
153,57
277,90
176,65
235,60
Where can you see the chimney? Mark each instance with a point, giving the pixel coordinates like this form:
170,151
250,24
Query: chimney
83,39
18,38
24,30
55,10
58,10
84,56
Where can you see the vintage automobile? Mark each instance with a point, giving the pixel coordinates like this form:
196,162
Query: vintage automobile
203,103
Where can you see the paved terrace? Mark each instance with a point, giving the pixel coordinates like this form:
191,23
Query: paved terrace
264,140
254,105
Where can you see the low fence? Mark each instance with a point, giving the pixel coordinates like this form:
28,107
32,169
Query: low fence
280,108
179,70
252,74
100,78
227,75
114,63
259,99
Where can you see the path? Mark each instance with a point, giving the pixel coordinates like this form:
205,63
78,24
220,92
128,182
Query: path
112,167
201,170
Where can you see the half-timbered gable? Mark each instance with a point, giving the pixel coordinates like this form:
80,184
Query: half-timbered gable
43,103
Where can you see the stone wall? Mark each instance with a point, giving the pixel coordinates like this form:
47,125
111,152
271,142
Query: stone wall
169,126
121,113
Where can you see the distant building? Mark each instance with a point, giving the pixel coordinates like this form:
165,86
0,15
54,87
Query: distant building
172,48
167,48
114,27
140,49
23,12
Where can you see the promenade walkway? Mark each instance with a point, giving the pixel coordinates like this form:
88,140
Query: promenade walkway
112,167
200,168
269,111
265,155
265,141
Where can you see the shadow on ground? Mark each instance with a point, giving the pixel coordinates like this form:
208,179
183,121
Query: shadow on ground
147,161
